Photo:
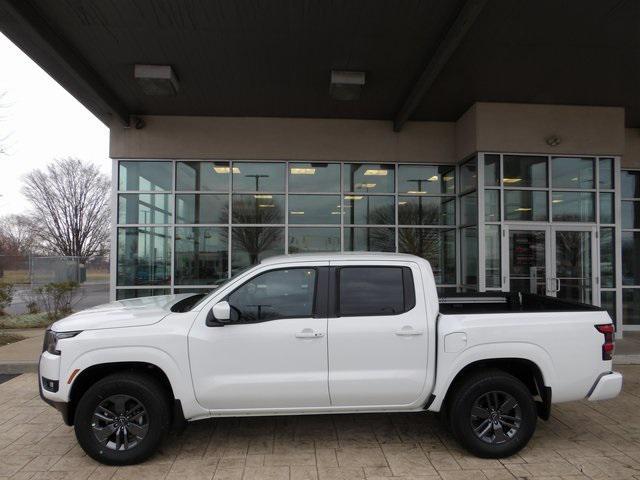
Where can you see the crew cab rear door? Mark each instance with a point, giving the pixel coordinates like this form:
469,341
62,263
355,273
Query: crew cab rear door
378,345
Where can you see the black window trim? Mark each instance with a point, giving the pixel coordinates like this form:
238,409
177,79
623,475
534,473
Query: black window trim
319,293
409,299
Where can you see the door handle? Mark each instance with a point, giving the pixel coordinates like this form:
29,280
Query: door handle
308,333
408,331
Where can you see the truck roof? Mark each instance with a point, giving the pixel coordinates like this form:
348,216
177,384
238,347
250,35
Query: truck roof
337,256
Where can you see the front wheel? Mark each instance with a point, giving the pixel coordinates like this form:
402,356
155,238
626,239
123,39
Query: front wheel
493,414
121,419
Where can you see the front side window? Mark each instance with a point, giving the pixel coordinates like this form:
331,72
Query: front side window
375,290
287,293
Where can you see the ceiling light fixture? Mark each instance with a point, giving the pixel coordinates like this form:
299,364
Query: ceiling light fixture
302,171
262,196
373,171
434,178
416,192
225,169
353,197
511,180
346,85
156,79
297,213
522,209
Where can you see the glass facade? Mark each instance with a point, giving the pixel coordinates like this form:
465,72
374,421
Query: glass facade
183,226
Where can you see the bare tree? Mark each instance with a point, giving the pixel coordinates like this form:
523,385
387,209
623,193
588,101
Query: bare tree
16,235
70,201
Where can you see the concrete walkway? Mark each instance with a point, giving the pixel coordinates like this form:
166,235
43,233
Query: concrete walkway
22,356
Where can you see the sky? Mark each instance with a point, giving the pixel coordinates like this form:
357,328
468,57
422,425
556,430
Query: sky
43,122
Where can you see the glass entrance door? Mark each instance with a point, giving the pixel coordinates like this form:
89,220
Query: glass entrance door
527,260
551,260
573,274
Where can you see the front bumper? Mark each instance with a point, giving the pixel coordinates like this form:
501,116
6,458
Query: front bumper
48,367
607,386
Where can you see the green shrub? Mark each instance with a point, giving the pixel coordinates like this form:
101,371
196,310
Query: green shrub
57,298
6,296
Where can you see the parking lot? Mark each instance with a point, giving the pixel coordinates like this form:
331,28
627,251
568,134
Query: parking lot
582,440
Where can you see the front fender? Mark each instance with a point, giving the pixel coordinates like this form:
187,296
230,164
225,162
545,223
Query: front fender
178,377
450,365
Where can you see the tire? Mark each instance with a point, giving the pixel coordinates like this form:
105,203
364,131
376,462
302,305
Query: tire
483,429
122,419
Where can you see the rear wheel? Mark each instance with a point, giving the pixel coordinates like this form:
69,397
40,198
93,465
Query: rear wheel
493,414
121,419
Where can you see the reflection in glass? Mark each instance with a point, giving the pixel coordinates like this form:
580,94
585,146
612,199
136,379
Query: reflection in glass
527,267
469,256
126,293
314,209
573,266
469,175
524,171
260,208
630,302
314,177
258,177
607,212
492,170
144,208
426,179
606,173
369,239
492,256
144,256
525,205
631,258
369,178
607,258
608,301
145,176
630,214
630,183
572,172
201,255
573,207
286,293
469,209
195,290
426,210
369,210
314,239
212,176
436,245
251,245
202,208
492,205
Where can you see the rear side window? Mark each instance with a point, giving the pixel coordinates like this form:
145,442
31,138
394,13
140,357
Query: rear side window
375,290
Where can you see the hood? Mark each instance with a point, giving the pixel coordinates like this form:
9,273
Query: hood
135,312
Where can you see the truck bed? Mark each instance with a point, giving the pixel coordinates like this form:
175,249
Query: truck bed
499,302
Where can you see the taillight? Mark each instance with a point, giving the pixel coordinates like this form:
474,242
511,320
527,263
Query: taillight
607,347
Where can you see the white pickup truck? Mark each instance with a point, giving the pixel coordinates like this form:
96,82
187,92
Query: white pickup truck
318,334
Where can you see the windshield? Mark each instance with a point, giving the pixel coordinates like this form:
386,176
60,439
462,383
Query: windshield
221,284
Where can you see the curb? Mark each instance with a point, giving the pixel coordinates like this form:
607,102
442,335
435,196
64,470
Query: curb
19,367
626,360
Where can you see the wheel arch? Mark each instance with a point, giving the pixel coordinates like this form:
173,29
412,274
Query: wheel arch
524,369
90,375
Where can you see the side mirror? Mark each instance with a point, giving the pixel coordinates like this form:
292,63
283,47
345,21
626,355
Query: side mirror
219,315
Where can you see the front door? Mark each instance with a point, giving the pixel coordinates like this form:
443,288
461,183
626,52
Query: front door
273,354
554,260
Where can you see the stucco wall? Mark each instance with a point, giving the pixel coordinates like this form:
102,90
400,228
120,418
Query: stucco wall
284,138
631,156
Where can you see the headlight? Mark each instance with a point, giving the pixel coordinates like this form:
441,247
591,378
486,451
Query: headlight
51,340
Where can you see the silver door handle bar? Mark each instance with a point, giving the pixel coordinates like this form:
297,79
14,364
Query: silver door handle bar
309,335
406,333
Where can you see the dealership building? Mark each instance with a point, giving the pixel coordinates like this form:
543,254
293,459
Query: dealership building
498,139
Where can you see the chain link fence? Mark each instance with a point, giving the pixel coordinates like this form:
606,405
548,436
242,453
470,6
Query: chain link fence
27,272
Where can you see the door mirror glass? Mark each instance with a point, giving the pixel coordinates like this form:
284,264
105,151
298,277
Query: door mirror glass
222,312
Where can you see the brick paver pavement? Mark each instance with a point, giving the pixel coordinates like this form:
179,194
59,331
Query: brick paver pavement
582,440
